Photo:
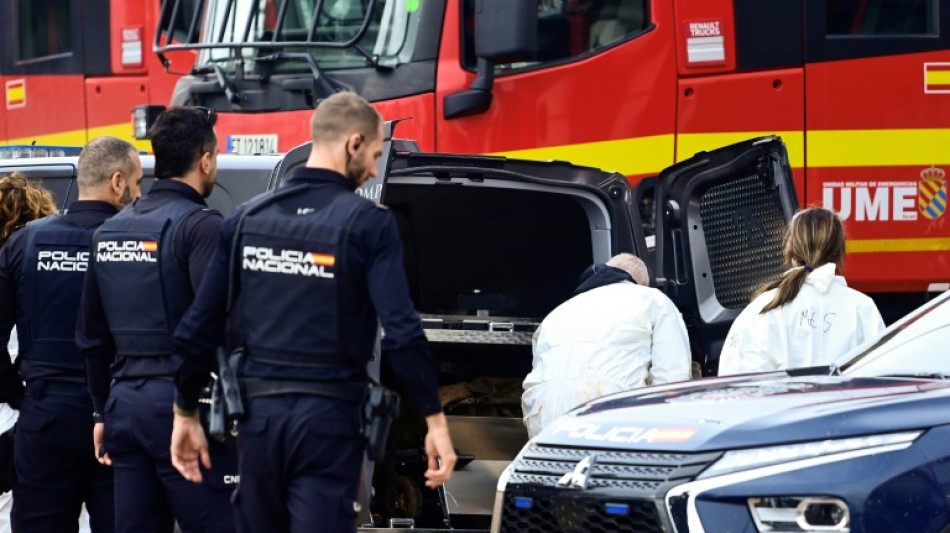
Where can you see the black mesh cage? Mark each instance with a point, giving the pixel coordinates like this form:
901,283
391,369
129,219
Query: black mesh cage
744,232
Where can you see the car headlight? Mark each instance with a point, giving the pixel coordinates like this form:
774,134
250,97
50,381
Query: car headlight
736,460
798,514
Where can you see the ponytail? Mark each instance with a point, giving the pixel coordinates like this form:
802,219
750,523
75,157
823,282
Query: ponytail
788,286
815,237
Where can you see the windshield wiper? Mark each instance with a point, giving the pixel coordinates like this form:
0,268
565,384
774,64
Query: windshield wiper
230,89
334,86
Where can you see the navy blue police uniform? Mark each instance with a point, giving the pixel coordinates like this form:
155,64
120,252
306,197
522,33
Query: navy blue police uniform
313,268
41,278
146,264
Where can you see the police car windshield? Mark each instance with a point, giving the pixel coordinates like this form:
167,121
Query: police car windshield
275,36
915,346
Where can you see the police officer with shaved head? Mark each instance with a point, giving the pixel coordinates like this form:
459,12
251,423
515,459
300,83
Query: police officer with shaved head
145,267
315,264
41,278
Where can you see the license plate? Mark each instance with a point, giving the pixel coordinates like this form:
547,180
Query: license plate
265,143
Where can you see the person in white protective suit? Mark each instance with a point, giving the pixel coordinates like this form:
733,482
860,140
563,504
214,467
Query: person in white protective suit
808,316
615,334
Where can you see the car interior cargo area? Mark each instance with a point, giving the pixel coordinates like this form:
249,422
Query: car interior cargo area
485,265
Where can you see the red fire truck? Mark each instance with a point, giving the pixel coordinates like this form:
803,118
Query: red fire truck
72,70
858,89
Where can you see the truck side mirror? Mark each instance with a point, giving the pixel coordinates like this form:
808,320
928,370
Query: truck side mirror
505,31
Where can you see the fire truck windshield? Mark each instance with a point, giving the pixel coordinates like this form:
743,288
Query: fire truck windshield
285,36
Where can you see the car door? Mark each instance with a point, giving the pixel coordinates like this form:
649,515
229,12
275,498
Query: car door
720,224
57,176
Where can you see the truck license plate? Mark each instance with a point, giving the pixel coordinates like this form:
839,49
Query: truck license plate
265,143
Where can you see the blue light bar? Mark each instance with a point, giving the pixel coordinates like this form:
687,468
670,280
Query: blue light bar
523,502
617,508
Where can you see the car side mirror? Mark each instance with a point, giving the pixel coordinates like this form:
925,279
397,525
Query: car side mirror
505,31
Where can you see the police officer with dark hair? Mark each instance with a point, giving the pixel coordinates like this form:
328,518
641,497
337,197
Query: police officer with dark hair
145,267
314,265
41,279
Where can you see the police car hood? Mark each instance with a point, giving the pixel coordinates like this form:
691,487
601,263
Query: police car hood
754,410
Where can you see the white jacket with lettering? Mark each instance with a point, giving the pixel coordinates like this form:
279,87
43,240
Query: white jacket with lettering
825,321
605,340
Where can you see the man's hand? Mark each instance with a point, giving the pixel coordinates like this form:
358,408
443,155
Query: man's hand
98,449
439,449
188,446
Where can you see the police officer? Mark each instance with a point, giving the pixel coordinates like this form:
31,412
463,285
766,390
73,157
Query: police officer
41,278
315,264
145,266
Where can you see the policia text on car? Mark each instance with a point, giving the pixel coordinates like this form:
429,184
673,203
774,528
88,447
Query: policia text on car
307,334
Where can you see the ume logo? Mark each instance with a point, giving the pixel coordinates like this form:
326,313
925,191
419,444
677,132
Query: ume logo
864,201
888,200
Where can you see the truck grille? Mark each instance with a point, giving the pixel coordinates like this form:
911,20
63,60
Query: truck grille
537,500
744,229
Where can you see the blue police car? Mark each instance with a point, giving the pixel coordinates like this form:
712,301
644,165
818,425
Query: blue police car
860,446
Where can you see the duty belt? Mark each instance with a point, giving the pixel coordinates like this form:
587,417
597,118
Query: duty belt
349,391
43,388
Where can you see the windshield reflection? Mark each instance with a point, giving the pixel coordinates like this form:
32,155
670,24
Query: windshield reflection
915,344
268,36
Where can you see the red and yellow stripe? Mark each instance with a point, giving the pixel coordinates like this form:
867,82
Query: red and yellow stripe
322,259
937,77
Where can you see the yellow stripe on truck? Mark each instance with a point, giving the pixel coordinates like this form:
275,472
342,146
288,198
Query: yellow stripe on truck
826,148
688,144
878,148
897,245
650,155
640,155
81,137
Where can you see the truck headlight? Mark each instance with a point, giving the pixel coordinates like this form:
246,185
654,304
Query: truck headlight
736,460
798,514
143,117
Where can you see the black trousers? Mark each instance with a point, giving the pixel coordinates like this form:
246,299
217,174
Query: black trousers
150,494
300,460
56,469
